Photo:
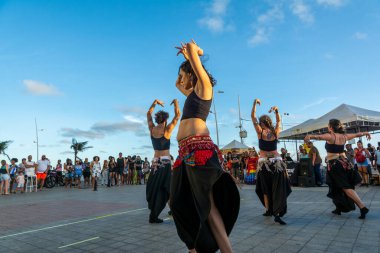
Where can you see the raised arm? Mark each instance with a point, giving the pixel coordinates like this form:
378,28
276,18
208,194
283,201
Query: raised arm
150,111
278,120
177,114
357,135
325,137
191,51
254,118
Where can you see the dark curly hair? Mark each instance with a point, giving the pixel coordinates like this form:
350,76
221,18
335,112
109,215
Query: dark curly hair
161,117
267,121
186,67
337,126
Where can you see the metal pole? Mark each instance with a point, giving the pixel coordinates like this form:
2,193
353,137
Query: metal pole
240,126
35,121
216,123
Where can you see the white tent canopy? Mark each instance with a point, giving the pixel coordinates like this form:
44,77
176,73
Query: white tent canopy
235,145
354,118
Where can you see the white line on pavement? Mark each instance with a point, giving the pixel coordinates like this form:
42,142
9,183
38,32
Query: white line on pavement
71,223
75,243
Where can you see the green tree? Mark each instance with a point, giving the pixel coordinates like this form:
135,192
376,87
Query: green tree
3,146
79,147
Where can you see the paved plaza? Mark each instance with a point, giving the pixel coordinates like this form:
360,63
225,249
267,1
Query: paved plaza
116,220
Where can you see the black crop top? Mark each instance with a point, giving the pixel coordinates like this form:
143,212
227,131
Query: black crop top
196,107
334,148
267,145
160,143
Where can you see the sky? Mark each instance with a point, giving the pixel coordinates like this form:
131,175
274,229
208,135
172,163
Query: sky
90,69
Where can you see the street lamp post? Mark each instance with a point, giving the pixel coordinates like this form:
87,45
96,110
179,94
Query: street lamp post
282,126
216,117
37,130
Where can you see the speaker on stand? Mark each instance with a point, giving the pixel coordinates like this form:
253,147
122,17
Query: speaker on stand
306,176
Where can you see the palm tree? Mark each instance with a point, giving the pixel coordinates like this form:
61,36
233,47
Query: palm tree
79,147
3,146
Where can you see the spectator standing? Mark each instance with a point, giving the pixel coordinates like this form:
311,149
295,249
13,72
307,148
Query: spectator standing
4,174
78,173
59,170
112,166
316,161
86,172
30,169
371,149
20,179
377,158
22,168
13,168
138,169
69,168
96,170
43,166
361,158
350,153
121,164
146,169
105,175
302,152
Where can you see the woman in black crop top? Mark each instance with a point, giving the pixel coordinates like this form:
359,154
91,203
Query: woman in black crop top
158,185
341,176
272,182
204,199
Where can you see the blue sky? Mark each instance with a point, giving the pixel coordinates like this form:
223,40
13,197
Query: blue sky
90,69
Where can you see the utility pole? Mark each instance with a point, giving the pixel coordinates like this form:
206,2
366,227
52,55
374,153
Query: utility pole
35,121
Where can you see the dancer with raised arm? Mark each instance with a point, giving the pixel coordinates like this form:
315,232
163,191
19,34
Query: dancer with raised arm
158,185
204,199
341,176
272,183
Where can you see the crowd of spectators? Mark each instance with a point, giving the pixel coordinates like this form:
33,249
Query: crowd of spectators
15,177
133,170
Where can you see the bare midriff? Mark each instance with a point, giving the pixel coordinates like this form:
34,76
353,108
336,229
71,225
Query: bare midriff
269,154
159,153
190,127
332,156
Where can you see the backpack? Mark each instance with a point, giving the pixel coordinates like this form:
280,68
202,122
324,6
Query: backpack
359,157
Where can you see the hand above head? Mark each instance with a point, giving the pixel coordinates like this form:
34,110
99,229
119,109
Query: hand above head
175,102
273,109
257,101
199,50
159,102
183,50
368,136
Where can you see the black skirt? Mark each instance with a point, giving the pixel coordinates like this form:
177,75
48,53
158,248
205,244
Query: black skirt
341,175
158,188
276,185
191,187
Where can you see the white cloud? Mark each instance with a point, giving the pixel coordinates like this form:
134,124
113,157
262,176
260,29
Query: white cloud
261,36
302,11
134,119
333,3
274,14
360,36
41,89
214,19
264,23
219,7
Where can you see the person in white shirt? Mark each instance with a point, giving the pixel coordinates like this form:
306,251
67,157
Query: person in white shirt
43,167
96,170
30,170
